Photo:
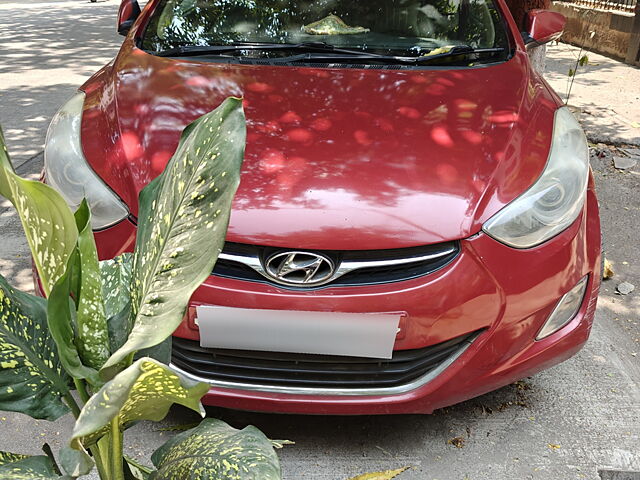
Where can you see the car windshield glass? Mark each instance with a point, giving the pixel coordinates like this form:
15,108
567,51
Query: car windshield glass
390,27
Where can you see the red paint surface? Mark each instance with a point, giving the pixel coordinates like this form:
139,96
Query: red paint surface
513,307
483,288
544,25
367,159
125,11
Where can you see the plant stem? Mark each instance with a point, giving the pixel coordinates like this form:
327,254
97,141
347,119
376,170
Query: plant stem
72,404
573,77
129,359
75,409
82,389
575,68
115,452
97,458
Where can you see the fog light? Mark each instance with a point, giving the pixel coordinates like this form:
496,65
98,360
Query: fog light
565,310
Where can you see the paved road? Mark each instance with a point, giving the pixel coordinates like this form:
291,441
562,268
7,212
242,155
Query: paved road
589,406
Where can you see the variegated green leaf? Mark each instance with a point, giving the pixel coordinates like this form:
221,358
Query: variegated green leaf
118,327
75,463
161,352
183,219
60,317
8,457
22,467
32,380
92,337
75,309
134,470
215,450
144,391
116,294
118,335
46,218
116,283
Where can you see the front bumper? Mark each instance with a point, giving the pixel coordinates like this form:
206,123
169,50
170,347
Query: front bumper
506,294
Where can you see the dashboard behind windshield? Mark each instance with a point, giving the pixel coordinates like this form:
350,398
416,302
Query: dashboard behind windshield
397,27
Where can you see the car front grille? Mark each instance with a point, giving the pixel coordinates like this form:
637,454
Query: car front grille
271,369
356,267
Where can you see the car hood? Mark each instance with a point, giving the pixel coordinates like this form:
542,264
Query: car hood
336,158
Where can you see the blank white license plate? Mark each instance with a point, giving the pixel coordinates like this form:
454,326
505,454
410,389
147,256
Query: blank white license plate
329,333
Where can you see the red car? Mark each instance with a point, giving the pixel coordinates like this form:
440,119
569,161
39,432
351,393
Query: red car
416,223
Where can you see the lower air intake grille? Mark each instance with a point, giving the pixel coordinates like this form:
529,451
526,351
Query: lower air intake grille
311,371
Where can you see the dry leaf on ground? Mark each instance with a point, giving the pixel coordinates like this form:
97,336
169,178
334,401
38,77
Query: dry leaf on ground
386,475
607,271
457,442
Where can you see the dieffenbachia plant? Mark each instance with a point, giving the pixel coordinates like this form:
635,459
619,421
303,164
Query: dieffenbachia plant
104,329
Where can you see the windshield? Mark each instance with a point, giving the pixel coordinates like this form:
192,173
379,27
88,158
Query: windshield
392,27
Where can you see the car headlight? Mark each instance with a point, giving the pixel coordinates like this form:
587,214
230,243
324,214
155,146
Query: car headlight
557,197
67,171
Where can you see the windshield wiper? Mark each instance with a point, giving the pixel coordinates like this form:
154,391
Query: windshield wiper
320,51
454,52
337,55
195,50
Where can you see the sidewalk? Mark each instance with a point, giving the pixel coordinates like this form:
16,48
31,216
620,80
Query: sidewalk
606,91
47,50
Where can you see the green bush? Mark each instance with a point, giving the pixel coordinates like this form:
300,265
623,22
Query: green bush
104,329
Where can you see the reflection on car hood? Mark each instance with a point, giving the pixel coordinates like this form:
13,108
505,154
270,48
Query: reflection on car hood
336,158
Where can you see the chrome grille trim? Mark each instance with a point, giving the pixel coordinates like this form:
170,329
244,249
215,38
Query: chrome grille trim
379,391
344,267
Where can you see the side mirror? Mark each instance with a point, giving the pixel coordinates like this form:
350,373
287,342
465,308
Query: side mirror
128,13
543,26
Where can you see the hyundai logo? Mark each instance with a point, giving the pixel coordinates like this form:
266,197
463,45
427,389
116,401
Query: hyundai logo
299,268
